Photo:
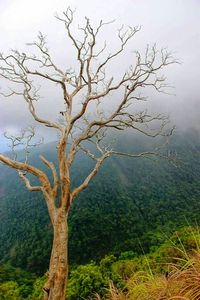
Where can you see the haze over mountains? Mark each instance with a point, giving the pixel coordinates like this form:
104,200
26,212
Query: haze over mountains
19,24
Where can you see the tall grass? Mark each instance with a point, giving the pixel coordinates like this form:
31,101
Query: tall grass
181,282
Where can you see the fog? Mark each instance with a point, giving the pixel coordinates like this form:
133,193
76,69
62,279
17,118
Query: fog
170,24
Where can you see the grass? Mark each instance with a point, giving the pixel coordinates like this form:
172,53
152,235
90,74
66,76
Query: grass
180,282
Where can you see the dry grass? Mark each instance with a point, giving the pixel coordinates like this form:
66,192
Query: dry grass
181,283
190,279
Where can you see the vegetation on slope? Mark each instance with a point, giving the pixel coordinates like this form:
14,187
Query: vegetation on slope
135,201
171,272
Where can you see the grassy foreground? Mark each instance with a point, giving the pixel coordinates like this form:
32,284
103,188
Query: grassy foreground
181,283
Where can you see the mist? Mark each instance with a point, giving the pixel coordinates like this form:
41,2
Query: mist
170,24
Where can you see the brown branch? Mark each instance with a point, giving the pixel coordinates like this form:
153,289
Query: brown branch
28,184
45,184
95,170
92,78
51,166
22,167
87,152
124,38
48,77
145,154
21,78
64,172
30,169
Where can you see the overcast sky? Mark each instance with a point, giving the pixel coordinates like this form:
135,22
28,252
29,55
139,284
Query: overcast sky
174,24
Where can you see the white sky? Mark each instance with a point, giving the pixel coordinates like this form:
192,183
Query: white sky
174,24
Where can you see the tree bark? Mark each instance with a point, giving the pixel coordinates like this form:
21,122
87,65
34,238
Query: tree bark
55,287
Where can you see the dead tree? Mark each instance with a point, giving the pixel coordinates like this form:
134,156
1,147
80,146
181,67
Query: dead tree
90,82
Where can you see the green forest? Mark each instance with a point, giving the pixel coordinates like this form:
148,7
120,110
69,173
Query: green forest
135,224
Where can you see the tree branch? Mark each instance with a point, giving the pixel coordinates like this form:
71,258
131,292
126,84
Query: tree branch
85,183
51,166
91,77
28,185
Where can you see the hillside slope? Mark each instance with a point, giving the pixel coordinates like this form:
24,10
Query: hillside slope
128,205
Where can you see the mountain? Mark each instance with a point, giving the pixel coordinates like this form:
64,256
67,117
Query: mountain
132,204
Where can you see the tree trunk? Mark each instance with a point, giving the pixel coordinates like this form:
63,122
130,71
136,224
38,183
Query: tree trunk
55,287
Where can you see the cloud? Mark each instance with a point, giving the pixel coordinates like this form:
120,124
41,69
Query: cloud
171,24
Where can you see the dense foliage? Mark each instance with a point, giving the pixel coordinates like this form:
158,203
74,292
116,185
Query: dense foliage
129,209
133,200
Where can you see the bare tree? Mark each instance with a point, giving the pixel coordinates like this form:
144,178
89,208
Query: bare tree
90,82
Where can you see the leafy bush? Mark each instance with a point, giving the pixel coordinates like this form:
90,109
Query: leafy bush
9,290
85,281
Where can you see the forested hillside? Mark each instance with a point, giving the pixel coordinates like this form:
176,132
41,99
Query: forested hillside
132,204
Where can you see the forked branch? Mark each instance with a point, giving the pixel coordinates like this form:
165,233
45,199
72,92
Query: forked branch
89,81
